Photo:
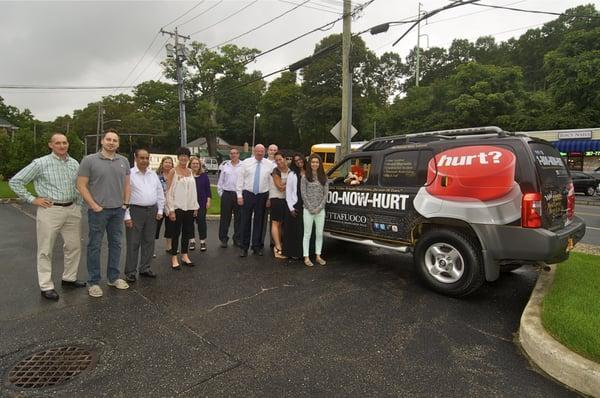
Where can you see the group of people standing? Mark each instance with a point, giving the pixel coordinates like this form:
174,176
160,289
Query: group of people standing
294,194
178,196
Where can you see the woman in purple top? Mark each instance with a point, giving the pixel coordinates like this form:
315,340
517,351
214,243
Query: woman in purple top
204,196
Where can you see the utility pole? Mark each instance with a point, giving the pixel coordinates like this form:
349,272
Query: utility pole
179,52
98,125
418,47
346,125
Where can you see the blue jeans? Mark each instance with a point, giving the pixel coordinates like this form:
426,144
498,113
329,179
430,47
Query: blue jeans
110,220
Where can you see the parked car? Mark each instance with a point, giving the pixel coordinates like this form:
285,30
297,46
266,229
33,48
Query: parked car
466,203
210,165
595,173
585,183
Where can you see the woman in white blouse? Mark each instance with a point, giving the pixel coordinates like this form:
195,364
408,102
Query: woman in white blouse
182,204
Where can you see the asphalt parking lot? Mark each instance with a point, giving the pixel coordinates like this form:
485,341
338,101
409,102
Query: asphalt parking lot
361,326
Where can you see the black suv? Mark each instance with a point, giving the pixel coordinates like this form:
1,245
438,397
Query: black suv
467,203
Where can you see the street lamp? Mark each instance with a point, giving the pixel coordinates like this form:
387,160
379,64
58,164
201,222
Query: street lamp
254,129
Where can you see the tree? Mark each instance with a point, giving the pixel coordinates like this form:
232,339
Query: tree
221,95
277,107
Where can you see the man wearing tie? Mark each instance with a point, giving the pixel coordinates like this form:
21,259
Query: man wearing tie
252,191
146,205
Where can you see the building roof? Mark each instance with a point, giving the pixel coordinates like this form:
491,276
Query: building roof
5,124
201,141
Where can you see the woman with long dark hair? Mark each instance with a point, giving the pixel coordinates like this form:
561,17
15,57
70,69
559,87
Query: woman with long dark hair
292,224
182,204
278,205
165,167
204,197
314,188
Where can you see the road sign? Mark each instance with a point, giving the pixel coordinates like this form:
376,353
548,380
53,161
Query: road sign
335,131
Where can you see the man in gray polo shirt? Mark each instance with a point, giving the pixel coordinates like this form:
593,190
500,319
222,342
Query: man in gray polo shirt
103,181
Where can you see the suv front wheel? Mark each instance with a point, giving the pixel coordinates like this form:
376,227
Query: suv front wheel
449,262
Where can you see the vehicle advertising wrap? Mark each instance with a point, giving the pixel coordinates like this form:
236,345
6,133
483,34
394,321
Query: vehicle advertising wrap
475,184
471,183
385,213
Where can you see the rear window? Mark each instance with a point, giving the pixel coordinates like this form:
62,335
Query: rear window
550,165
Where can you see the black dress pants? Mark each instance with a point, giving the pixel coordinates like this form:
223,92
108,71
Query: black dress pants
252,227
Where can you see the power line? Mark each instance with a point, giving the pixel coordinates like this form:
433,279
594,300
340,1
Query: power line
432,13
260,26
184,14
141,58
50,87
311,7
560,14
225,19
321,28
469,14
202,13
149,63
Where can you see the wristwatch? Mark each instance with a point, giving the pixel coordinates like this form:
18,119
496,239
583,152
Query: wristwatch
125,206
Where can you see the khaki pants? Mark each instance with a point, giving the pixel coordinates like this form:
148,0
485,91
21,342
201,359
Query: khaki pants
51,222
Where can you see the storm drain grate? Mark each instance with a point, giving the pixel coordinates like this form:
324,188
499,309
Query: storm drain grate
51,367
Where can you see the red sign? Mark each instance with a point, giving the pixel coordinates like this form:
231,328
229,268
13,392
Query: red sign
480,172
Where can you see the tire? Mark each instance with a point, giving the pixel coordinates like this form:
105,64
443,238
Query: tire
449,262
590,191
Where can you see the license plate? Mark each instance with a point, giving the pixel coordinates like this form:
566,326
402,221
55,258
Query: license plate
570,244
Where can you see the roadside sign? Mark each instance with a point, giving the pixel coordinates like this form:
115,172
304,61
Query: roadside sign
335,131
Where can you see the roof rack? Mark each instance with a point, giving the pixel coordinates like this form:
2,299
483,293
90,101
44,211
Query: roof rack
386,142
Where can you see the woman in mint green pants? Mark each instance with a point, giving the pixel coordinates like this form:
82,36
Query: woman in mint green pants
313,188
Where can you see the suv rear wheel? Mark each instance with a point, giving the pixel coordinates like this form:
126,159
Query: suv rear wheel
449,262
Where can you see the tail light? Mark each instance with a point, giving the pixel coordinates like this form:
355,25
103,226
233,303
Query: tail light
570,200
531,210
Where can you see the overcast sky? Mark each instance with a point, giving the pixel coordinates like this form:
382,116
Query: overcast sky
88,43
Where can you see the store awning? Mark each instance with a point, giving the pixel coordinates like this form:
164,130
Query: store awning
577,145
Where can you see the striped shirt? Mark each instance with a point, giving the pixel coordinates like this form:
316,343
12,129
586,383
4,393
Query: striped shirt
53,179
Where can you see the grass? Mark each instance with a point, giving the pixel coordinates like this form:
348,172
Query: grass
215,202
571,310
6,192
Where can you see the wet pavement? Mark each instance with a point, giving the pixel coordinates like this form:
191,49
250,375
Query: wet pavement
361,326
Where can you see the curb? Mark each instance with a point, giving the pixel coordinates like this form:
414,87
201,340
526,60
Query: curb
587,202
544,351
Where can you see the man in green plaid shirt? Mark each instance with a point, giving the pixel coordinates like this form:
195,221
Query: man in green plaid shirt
59,211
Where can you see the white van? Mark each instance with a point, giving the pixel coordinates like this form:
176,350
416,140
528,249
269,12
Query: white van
210,165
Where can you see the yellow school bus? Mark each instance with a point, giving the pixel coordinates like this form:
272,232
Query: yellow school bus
327,152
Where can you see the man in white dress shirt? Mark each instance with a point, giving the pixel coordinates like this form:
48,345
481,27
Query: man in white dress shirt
146,205
252,193
226,188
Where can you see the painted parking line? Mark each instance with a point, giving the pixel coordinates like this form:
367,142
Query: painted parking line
587,214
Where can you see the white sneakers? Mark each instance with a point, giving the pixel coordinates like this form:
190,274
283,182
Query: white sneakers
119,284
96,291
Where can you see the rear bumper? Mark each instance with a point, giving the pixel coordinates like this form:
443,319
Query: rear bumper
529,244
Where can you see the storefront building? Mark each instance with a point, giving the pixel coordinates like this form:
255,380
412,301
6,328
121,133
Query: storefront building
579,147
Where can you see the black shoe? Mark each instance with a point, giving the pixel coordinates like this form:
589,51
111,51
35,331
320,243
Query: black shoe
258,252
244,253
190,264
148,274
130,278
223,244
73,283
202,246
192,245
50,294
